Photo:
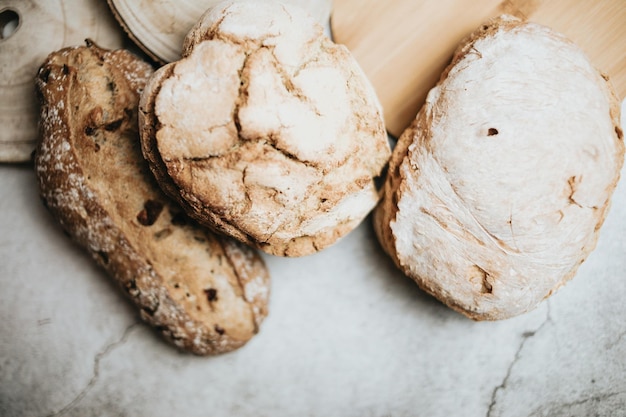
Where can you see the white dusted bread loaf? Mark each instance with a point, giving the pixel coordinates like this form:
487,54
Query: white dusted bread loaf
205,293
497,191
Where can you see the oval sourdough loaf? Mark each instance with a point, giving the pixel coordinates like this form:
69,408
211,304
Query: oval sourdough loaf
497,192
206,294
266,130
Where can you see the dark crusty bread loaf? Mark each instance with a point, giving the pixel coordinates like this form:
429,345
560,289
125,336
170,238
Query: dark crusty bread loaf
205,293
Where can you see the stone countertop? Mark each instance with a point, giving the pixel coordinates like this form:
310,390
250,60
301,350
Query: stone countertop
347,335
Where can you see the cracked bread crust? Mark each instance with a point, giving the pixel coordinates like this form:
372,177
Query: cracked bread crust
265,130
498,190
206,294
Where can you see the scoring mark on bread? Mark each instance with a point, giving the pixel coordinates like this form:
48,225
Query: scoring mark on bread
572,183
479,275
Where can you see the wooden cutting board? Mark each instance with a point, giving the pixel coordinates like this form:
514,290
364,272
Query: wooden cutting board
158,27
29,31
404,45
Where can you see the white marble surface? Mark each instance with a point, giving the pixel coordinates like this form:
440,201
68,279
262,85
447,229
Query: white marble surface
347,335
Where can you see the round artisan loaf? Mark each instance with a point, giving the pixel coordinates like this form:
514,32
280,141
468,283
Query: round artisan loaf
205,293
497,192
266,130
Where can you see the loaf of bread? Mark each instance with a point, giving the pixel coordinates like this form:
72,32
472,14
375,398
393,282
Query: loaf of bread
266,130
497,192
205,293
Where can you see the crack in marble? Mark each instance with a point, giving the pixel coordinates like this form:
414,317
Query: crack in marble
525,336
598,398
96,370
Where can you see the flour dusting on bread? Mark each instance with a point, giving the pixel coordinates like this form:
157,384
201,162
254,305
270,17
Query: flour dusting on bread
497,192
266,130
205,293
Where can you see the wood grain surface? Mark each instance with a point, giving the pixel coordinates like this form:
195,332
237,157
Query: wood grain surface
159,26
43,26
404,45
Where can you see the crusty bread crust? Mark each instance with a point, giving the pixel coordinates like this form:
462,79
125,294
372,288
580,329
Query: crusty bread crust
265,130
494,246
204,293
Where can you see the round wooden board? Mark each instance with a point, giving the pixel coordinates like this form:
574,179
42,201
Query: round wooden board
159,27
43,26
404,45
